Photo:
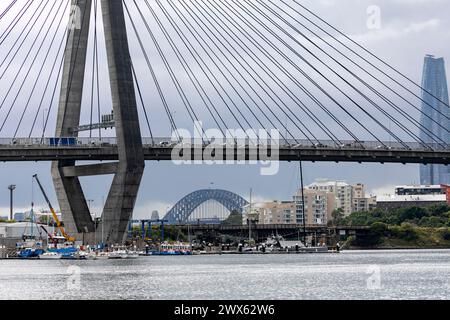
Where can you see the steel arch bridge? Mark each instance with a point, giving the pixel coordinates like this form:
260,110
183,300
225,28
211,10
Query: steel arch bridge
184,208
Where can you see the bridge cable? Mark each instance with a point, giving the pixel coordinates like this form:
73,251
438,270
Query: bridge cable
190,28
42,65
174,78
155,79
317,71
96,66
284,71
361,67
95,76
14,21
377,58
390,132
60,49
69,29
237,81
229,45
269,72
198,86
384,98
240,85
55,87
202,64
198,58
295,66
31,65
23,40
189,72
138,87
7,9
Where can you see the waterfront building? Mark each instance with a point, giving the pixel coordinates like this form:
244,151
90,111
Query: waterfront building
435,116
18,229
319,206
360,202
419,190
388,202
275,212
364,204
343,193
414,195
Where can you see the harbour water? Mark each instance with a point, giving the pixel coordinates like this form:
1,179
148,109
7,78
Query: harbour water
398,274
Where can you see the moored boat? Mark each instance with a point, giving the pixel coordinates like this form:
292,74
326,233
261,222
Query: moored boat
50,256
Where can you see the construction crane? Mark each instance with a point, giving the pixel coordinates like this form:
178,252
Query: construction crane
55,217
55,241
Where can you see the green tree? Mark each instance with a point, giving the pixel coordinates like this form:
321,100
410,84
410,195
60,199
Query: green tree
235,219
337,217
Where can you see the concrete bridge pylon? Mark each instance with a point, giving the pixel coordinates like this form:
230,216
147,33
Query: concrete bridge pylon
129,168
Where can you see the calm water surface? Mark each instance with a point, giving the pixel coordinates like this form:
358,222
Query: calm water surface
417,274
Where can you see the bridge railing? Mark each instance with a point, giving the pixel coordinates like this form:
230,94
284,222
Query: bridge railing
167,142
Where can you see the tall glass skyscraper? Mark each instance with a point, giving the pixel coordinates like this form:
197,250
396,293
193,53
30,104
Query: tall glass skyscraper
435,82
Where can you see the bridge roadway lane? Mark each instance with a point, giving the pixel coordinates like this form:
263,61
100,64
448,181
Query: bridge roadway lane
164,153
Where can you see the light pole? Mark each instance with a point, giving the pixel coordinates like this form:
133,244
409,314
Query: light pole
11,188
89,201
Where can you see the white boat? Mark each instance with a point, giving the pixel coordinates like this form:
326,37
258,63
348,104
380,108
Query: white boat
132,255
115,255
123,254
50,256
102,256
83,255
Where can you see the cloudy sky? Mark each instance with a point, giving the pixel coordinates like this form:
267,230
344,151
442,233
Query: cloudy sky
406,31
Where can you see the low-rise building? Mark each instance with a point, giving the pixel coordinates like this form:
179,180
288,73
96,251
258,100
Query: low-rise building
409,190
275,212
414,195
18,229
343,193
319,206
364,204
398,201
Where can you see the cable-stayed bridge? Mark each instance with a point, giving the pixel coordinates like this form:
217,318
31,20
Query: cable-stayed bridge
105,79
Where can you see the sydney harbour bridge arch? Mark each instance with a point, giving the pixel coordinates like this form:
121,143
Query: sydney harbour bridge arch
184,208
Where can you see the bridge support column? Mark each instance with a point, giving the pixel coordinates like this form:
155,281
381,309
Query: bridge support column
130,167
123,193
73,205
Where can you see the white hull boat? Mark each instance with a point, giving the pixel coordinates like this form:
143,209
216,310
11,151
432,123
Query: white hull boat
50,256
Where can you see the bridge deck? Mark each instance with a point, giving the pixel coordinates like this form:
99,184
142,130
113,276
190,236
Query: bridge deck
84,150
